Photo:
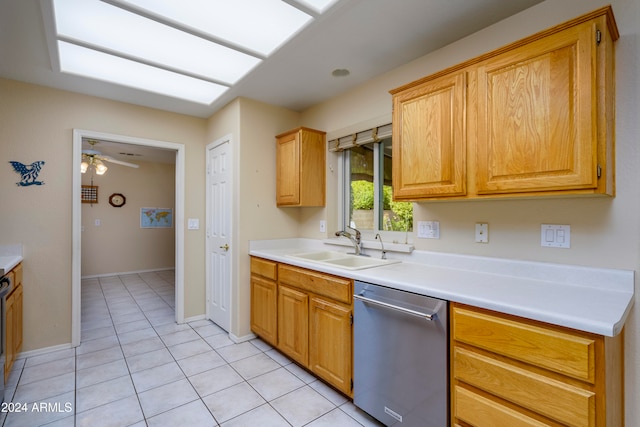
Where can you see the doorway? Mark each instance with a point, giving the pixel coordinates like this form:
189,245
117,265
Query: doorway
78,136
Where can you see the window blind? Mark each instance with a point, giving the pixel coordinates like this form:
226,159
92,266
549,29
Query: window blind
360,138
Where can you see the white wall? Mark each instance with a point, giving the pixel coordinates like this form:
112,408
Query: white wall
604,231
36,123
118,244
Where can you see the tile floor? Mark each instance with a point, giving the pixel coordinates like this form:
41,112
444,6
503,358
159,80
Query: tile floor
137,367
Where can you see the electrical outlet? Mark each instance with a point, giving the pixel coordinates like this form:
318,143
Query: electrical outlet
482,232
323,226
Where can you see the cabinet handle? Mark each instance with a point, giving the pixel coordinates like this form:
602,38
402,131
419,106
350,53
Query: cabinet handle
428,316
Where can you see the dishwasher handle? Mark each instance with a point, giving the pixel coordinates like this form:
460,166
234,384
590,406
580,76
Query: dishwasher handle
426,316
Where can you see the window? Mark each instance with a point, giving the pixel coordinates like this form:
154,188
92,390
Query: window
368,190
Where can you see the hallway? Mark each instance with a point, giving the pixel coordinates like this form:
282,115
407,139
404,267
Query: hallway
137,367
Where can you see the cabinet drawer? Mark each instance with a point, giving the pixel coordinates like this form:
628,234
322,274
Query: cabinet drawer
264,268
562,402
550,348
482,412
336,288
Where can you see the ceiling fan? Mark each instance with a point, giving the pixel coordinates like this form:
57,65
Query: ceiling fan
92,157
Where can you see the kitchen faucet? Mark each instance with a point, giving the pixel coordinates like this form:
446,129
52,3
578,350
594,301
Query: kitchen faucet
356,240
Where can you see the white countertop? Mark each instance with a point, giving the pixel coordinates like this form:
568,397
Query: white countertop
594,300
10,256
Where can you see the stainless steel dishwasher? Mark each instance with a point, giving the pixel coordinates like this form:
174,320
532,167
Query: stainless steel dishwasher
401,354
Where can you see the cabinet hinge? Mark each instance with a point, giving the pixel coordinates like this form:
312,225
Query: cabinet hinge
599,171
351,318
598,37
351,384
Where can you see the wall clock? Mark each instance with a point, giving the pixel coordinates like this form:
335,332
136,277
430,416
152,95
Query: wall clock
117,200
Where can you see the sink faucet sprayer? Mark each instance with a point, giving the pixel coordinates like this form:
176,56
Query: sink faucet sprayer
384,253
356,240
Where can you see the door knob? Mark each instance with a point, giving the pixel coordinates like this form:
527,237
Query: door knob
225,247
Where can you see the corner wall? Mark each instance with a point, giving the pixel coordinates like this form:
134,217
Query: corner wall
253,126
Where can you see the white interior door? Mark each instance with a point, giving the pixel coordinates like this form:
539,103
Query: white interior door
219,232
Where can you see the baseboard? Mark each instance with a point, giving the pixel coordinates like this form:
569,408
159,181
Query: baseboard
194,318
124,273
41,351
236,339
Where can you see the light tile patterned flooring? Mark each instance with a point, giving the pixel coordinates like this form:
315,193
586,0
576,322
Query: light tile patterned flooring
137,367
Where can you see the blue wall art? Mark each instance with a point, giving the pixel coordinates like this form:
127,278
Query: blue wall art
28,173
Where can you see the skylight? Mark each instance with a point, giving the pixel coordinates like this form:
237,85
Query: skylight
191,49
259,26
91,63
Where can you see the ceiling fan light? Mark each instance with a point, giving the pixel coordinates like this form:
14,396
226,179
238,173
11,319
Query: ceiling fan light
101,168
83,167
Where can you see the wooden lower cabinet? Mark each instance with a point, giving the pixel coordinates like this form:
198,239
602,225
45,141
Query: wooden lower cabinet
307,315
264,300
330,342
515,372
13,316
293,324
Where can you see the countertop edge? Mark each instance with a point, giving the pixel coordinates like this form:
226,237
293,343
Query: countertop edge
8,263
520,299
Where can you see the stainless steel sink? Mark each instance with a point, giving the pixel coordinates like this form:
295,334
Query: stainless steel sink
342,260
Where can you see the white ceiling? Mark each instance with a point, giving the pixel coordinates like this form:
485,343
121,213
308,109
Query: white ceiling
368,37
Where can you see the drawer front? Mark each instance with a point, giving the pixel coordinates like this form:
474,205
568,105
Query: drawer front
264,268
336,288
562,402
553,349
482,412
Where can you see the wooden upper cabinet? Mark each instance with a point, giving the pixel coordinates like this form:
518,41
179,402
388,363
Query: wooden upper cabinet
534,118
429,139
300,168
537,116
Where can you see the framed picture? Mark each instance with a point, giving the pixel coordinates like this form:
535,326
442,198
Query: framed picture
156,218
89,194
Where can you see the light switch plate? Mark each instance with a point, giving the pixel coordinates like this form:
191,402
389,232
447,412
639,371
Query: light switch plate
193,224
428,229
555,236
323,226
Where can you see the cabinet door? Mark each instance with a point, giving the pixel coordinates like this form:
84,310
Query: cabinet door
331,343
18,310
288,169
10,326
264,303
537,118
293,324
429,139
